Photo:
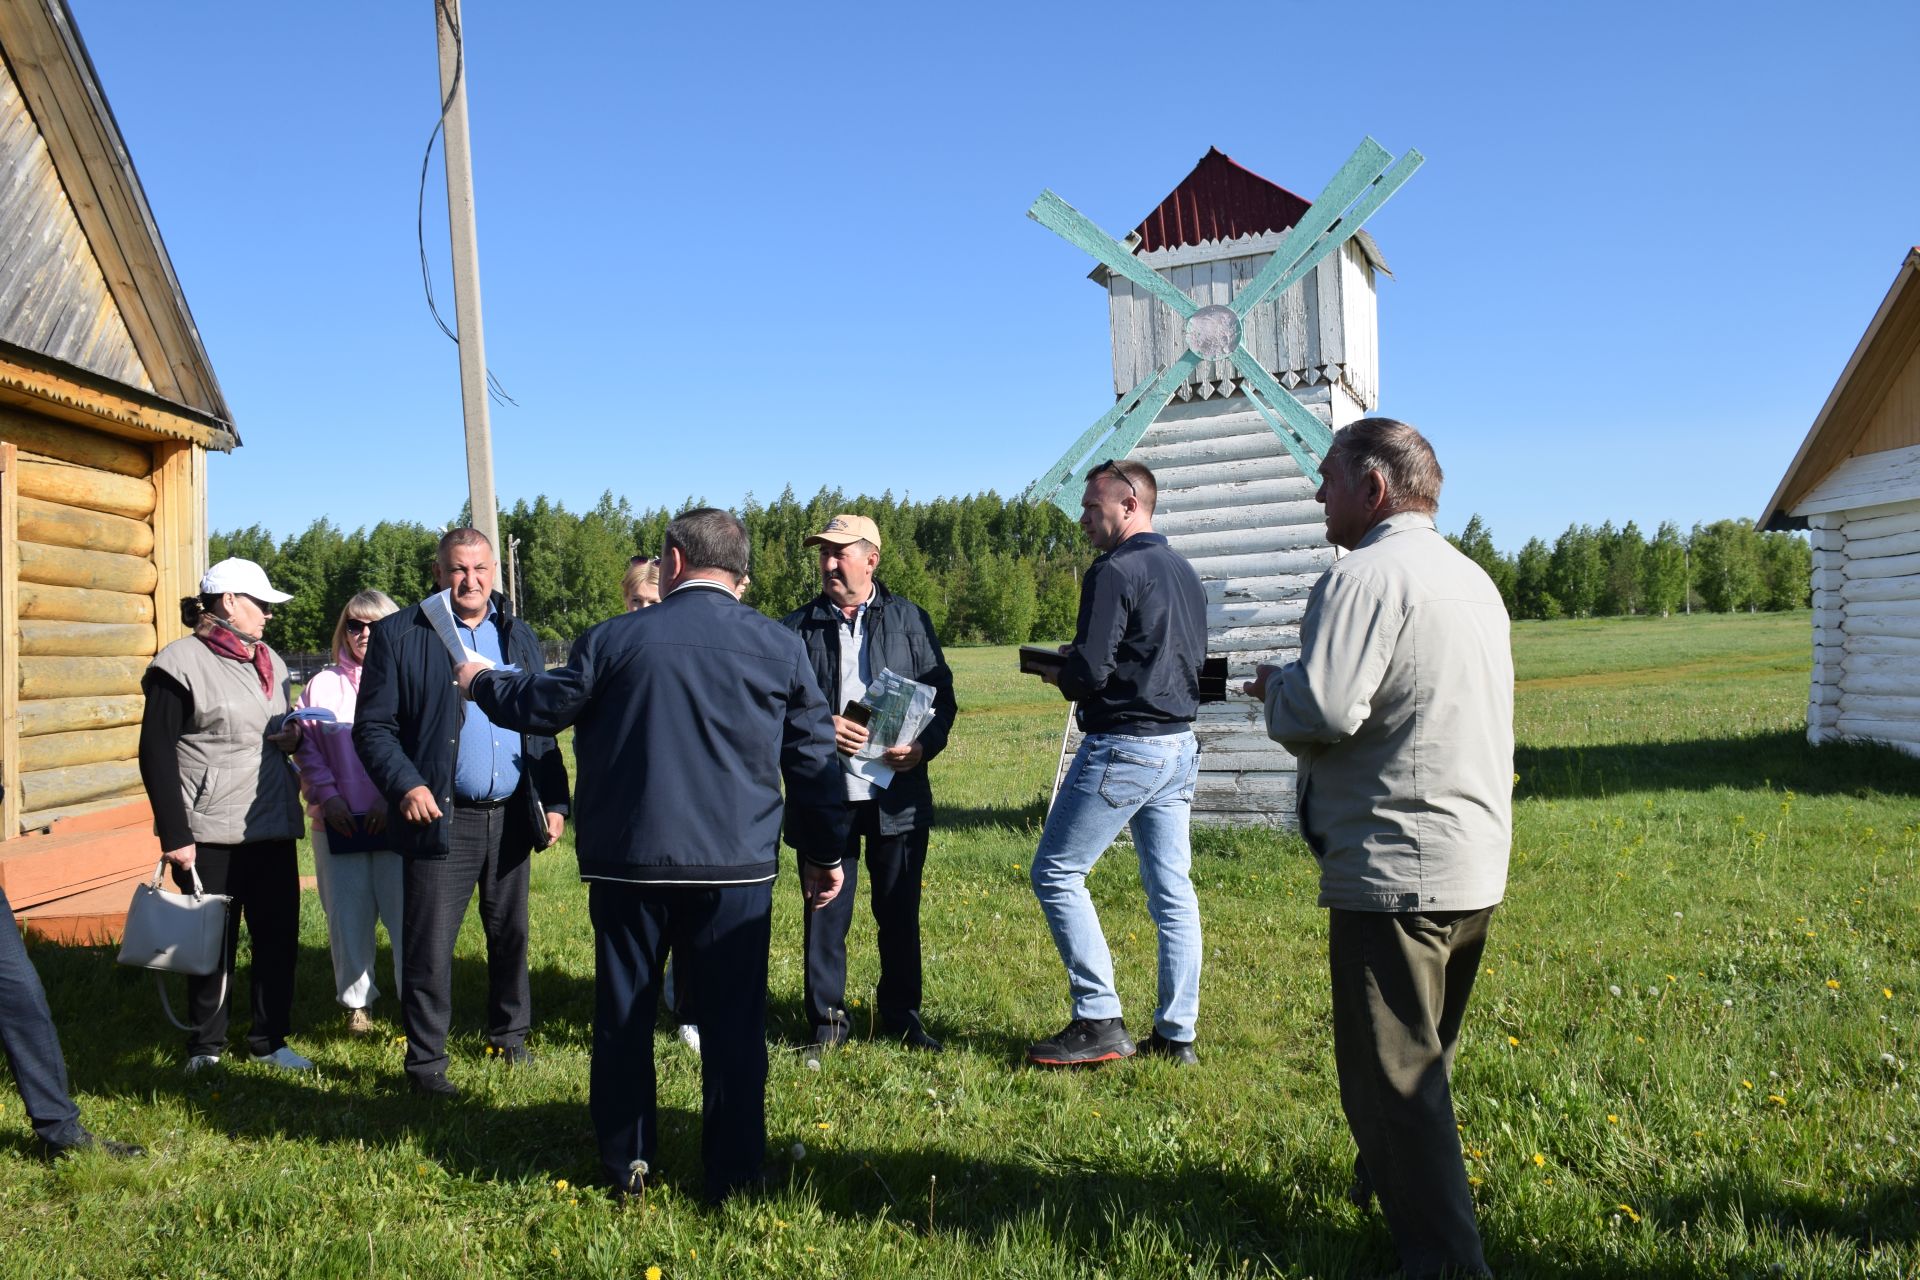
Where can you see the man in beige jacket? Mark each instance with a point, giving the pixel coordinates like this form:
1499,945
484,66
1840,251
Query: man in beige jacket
1400,711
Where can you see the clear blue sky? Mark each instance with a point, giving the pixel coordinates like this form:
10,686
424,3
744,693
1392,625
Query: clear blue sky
727,248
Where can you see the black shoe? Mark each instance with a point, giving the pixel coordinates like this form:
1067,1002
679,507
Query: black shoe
514,1055
1178,1052
87,1142
1083,1042
435,1085
909,1032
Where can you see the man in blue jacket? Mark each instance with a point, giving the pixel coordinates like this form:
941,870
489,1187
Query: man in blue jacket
1134,668
470,799
855,629
687,719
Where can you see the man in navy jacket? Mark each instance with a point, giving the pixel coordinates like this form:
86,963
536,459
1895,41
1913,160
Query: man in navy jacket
855,629
468,799
688,717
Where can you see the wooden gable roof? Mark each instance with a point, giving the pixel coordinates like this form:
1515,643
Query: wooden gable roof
1873,408
89,301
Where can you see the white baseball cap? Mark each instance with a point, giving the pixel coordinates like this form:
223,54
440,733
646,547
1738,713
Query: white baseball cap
243,578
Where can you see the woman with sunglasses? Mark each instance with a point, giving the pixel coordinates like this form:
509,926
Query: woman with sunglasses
214,742
360,877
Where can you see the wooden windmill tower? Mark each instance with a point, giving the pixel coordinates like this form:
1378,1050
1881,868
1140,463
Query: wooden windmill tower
1244,334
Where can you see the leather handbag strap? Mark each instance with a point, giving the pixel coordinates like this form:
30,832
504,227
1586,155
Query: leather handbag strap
160,979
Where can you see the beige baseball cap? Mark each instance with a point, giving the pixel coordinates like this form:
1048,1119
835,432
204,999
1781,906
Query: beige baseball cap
846,528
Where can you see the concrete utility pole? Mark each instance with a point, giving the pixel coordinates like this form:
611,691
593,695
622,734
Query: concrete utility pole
466,271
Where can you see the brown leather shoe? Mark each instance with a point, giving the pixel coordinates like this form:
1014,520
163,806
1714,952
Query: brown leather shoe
359,1023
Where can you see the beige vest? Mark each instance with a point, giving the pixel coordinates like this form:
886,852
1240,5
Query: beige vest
237,787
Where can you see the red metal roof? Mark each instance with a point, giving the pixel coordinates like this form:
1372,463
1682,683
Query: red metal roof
1219,200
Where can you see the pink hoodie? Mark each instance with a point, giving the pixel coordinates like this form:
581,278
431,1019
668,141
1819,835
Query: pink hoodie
328,764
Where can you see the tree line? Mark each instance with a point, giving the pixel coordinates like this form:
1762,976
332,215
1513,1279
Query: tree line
988,569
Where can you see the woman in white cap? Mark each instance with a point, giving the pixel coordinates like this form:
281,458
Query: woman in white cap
213,755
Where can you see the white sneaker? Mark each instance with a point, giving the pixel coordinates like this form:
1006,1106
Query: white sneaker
202,1061
286,1059
689,1036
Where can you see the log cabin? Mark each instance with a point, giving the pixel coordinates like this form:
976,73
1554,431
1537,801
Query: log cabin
1232,499
1855,484
108,408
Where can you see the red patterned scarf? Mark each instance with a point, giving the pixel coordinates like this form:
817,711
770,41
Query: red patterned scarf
229,645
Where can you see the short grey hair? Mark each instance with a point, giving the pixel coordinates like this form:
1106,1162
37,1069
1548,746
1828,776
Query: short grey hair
464,536
710,538
1398,452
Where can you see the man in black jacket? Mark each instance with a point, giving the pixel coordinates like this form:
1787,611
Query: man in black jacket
1134,669
688,716
855,629
470,801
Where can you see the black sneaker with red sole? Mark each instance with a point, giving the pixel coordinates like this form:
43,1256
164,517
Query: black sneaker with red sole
1083,1043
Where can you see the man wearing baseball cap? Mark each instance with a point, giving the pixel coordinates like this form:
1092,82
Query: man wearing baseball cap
853,630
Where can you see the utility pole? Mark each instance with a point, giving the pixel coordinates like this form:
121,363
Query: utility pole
466,270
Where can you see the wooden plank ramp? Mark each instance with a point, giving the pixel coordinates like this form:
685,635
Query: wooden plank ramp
72,882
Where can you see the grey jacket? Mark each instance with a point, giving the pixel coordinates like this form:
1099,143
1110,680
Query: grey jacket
236,787
1400,711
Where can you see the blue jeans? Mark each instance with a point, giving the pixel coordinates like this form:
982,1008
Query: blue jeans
1116,781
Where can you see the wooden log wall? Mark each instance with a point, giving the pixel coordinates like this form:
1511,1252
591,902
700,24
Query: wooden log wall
1237,506
1868,684
82,617
1322,331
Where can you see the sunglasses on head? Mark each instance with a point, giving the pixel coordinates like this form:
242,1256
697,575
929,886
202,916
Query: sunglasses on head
1112,468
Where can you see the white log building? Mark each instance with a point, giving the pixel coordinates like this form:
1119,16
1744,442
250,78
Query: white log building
1856,485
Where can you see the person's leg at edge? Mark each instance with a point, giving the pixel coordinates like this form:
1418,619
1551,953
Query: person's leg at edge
895,866
1162,837
629,948
1080,827
727,933
506,873
388,876
31,1044
1387,972
824,932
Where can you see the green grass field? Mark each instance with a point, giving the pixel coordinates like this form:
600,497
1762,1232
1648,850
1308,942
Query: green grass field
1689,1054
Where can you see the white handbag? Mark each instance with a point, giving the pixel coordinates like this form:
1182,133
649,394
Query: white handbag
176,933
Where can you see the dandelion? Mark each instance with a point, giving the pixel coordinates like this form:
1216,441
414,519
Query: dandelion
1776,1100
1614,991
1472,1181
653,1273
1539,1161
1513,1042
1671,978
1833,984
560,1184
1746,1084
823,1125
1612,1119
1887,992
1628,1210
420,1169
555,1251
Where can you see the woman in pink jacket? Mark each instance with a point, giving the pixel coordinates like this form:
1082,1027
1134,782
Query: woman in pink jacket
360,879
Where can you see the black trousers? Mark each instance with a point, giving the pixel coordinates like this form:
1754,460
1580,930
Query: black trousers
895,865
263,879
1400,988
31,1045
486,857
720,939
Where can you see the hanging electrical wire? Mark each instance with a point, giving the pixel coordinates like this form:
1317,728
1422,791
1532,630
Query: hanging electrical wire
495,390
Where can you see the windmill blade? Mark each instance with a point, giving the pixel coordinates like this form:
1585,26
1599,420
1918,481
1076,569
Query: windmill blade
1132,426
1304,435
1067,222
1368,161
1343,230
1044,489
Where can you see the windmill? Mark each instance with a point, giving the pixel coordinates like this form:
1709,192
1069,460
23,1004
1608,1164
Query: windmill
1218,332
1244,335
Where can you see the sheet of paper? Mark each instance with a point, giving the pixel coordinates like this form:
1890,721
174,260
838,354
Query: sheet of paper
880,775
439,611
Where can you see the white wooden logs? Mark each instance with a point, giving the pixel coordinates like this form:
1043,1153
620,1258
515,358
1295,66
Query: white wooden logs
1866,653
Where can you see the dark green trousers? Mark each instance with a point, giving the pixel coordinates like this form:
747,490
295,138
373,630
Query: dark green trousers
1400,988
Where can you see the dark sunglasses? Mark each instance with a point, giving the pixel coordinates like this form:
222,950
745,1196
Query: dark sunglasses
641,562
356,625
1110,467
261,605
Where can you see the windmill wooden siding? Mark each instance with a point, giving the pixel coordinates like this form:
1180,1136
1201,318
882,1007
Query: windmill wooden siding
1855,485
108,406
